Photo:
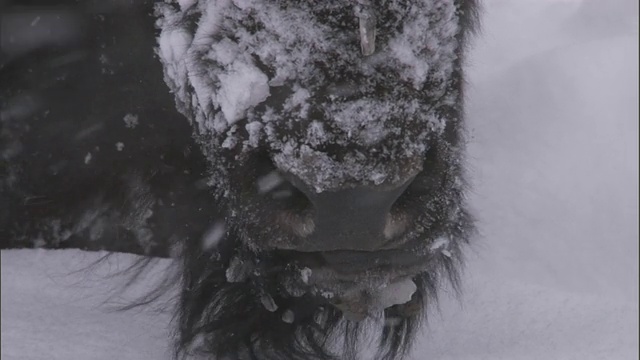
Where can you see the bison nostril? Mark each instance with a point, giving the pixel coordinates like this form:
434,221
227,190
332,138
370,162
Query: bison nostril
302,225
292,209
269,182
396,223
398,218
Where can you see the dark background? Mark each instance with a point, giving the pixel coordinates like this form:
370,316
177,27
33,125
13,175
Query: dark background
70,71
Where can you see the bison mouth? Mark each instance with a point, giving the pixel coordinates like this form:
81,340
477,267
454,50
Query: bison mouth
359,283
357,248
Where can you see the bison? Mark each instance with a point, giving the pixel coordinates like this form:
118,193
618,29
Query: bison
316,192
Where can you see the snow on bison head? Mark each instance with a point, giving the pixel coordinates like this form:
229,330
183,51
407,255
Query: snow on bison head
334,136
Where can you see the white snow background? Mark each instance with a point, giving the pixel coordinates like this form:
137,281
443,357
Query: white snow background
553,114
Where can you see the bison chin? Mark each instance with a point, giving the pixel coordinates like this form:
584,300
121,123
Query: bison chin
239,304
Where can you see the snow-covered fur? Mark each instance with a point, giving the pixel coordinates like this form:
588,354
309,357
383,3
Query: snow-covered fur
94,155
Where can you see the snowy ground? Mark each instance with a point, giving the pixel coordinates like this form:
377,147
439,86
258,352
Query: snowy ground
553,108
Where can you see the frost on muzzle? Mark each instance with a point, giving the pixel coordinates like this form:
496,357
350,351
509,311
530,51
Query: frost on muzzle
301,81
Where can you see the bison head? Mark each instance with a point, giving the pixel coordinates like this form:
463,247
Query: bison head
334,134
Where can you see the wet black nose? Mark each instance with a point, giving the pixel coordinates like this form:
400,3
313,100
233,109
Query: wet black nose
351,219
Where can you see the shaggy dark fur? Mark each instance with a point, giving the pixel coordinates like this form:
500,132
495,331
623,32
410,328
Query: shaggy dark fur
65,181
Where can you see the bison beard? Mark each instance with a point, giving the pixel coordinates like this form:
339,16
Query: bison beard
299,117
